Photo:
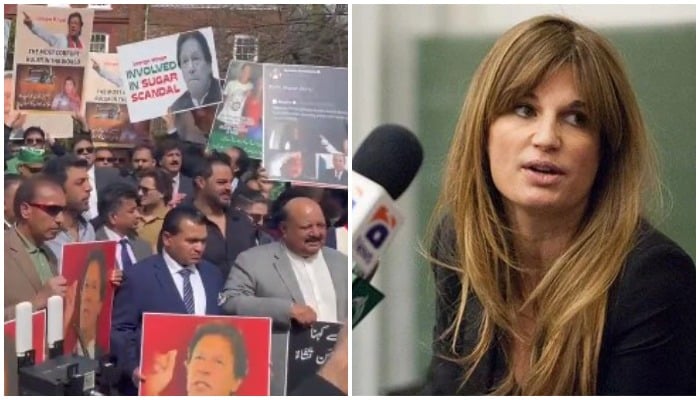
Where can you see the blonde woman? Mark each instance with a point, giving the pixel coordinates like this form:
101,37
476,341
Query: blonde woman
549,279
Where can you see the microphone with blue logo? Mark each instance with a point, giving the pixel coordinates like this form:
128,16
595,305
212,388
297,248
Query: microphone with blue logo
383,168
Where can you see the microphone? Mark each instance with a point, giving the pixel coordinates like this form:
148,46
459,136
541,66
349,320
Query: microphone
383,168
54,331
23,334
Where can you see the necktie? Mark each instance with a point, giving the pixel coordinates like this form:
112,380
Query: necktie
126,258
188,297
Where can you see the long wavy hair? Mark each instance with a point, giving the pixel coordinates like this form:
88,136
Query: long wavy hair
569,301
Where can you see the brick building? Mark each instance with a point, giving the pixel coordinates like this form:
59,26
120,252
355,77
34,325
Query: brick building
292,34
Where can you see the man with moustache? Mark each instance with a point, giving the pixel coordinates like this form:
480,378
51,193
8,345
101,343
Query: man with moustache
296,281
169,158
229,230
142,158
30,266
71,40
177,280
71,173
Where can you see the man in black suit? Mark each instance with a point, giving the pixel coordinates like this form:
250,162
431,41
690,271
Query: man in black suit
118,220
169,157
195,61
337,175
176,280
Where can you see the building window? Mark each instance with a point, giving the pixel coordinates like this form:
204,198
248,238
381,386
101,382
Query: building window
99,43
245,48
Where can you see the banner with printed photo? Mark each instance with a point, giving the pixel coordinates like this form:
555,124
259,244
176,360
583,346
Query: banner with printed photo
56,126
177,72
87,318
306,123
239,118
308,349
51,49
105,103
197,355
38,343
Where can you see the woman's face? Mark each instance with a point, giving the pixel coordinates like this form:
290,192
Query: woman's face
90,301
195,69
69,87
543,154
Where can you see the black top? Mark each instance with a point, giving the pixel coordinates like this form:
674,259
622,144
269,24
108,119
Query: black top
240,236
648,343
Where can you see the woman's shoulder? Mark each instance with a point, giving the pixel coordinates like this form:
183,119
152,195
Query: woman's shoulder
656,256
657,275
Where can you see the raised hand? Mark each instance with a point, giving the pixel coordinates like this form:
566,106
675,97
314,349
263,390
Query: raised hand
161,373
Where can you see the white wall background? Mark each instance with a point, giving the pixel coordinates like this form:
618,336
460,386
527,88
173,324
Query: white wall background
384,87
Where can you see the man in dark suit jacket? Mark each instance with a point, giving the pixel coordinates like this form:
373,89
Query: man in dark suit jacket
169,155
337,175
202,87
175,281
30,266
213,96
118,207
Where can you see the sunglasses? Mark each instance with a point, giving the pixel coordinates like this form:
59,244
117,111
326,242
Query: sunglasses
259,218
51,209
33,170
85,150
145,190
105,159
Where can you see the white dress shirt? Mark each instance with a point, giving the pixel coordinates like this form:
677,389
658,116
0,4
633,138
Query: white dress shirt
112,235
200,296
316,285
176,184
92,211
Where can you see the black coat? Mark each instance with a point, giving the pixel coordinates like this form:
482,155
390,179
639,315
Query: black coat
648,343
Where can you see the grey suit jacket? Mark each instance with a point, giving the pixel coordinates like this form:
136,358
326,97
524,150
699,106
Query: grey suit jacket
262,283
140,248
22,282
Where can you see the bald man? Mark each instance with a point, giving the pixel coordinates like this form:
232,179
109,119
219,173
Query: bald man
296,281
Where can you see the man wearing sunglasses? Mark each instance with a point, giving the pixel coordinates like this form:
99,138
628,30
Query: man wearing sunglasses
254,204
155,191
30,161
30,266
104,157
34,138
